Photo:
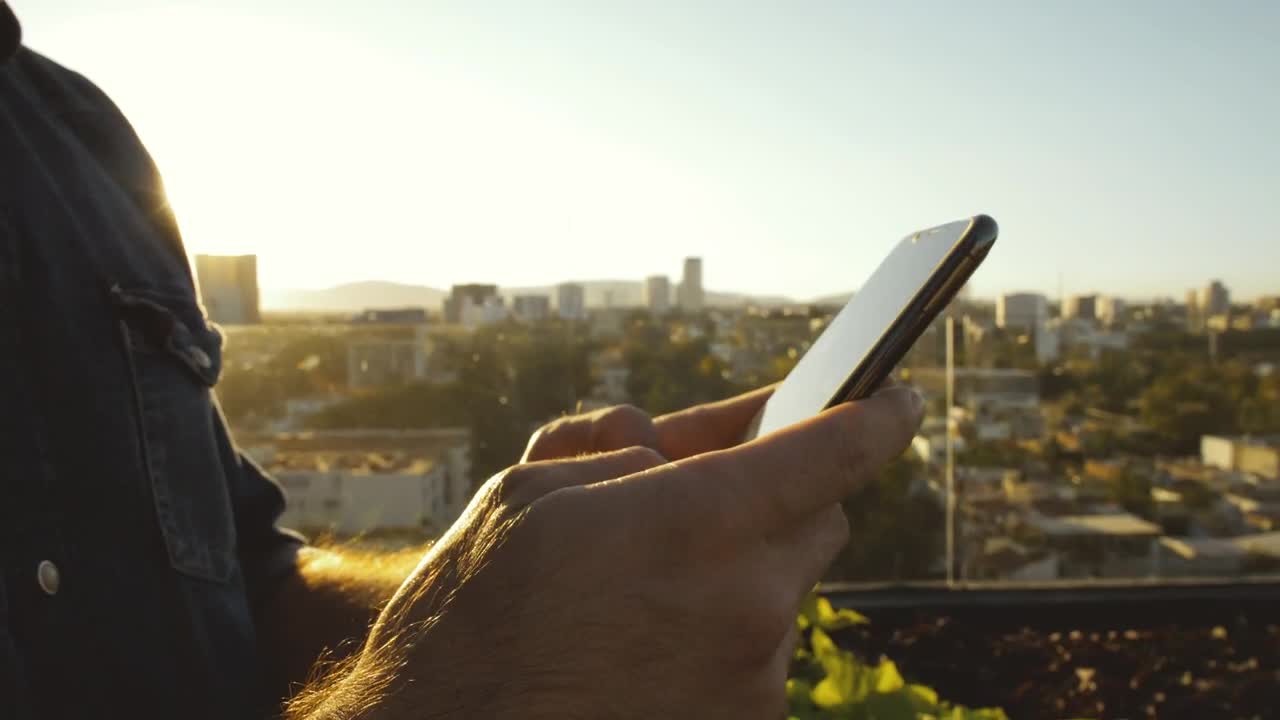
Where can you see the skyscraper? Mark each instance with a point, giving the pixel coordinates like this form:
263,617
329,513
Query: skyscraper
1081,307
571,301
229,288
1195,318
463,297
690,296
657,294
1215,300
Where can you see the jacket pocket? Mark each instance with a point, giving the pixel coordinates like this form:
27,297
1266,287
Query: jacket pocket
175,358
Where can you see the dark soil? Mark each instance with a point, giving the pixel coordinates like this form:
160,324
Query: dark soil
1220,666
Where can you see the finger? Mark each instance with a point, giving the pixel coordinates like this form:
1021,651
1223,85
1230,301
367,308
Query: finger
804,554
777,480
713,426
612,428
525,484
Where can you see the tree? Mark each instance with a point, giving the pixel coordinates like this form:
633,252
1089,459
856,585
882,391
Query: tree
895,534
667,376
1186,405
1132,491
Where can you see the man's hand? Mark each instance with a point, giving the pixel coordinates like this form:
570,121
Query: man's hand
713,426
622,585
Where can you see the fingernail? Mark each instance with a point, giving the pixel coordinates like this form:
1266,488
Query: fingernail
916,399
917,404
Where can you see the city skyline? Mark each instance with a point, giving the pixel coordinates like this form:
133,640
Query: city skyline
788,149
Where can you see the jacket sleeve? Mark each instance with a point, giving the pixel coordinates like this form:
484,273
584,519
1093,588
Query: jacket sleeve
267,552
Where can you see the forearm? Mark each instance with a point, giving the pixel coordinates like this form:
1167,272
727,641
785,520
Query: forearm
322,612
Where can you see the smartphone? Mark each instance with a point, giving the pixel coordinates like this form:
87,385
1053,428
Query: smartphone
867,338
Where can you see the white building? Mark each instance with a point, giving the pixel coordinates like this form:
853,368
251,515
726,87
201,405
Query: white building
1061,335
657,294
571,301
1256,455
354,481
690,295
1022,311
531,308
1111,310
1048,342
359,492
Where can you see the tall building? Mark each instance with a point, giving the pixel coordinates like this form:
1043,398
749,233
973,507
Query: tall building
1021,311
463,299
229,288
531,308
1081,307
690,296
1195,318
1110,309
657,294
571,301
1215,300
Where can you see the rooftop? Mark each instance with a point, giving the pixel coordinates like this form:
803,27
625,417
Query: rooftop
353,463
424,442
1260,544
1271,441
1193,548
1119,524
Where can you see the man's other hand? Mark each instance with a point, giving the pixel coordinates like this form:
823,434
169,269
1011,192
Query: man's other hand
703,428
626,584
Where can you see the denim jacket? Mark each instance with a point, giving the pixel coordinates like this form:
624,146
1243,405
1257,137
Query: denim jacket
134,539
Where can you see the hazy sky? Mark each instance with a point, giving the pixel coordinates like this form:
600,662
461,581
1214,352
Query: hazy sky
1127,147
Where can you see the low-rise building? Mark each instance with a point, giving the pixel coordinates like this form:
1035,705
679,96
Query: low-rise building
353,481
1246,454
983,390
1002,558
1110,545
378,361
357,492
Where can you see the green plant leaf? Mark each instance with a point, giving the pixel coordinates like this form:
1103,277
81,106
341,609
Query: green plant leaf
830,683
924,699
887,677
828,618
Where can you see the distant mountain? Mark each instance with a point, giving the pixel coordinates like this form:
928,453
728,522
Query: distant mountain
353,297
839,299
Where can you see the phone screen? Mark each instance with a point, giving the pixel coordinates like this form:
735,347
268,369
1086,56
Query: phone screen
854,333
